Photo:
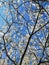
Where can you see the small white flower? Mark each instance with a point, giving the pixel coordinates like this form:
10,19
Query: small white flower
0,4
1,33
18,1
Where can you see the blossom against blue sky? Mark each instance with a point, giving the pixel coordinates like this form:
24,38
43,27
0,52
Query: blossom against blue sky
18,32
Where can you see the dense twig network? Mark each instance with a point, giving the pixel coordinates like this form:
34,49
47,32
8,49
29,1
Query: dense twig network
25,35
